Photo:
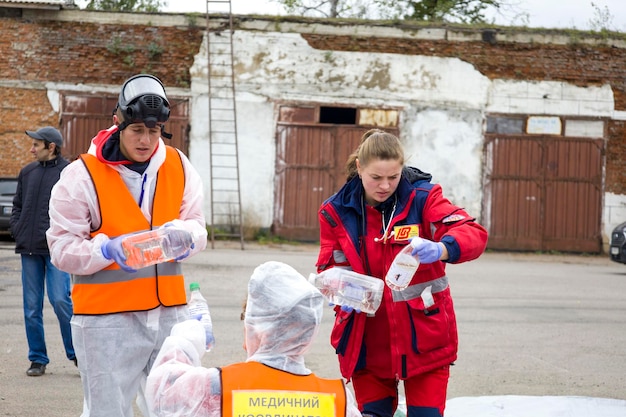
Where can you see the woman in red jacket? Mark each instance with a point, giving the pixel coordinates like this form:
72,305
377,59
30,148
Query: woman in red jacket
363,226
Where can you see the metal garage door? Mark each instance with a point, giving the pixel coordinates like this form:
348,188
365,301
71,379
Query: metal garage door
543,193
309,169
312,146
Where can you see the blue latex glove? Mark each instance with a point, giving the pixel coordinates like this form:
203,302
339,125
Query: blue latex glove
347,309
186,254
427,251
112,249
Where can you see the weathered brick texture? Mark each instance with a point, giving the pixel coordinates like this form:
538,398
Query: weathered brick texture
95,53
34,53
21,109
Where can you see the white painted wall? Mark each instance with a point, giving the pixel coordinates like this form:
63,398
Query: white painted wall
442,102
448,144
549,97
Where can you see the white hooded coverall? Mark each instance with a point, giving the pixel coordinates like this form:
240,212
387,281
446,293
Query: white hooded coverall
283,314
115,351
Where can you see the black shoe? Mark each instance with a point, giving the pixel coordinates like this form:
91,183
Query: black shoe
36,369
75,362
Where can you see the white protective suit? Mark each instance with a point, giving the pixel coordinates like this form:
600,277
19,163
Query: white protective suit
283,314
115,351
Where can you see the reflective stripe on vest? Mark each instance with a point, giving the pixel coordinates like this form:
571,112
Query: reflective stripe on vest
415,291
252,388
112,290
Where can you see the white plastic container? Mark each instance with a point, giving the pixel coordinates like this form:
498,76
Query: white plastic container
348,288
199,310
156,246
403,267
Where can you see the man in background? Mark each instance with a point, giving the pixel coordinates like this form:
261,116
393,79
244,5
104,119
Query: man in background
29,222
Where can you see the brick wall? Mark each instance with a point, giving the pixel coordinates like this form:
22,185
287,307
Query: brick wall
21,109
616,158
36,52
79,52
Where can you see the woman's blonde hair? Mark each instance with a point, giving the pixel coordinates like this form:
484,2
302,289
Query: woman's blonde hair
375,144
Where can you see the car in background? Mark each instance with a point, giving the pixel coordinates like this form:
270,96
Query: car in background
8,187
617,248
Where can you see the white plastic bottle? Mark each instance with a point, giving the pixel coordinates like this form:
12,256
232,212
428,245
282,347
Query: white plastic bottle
155,246
199,310
348,288
403,267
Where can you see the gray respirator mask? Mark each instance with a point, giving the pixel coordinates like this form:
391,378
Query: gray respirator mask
142,100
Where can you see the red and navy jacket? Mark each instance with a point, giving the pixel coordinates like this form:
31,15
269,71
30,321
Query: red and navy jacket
352,234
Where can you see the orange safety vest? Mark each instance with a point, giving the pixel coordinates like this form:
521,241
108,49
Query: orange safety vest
252,388
113,290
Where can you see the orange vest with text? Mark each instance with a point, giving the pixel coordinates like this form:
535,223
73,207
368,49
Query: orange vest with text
252,388
113,290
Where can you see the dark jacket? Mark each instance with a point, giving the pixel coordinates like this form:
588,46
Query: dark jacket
29,218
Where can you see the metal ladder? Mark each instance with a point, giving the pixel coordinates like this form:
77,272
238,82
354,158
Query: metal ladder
226,216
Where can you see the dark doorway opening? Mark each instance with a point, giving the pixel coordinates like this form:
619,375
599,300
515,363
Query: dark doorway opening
338,115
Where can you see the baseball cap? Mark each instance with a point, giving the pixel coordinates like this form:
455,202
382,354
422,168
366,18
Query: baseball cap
48,133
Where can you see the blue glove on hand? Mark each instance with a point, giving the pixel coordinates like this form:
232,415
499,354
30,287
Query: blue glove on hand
427,251
347,309
112,249
186,254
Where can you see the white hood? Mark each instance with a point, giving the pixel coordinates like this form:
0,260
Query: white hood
283,314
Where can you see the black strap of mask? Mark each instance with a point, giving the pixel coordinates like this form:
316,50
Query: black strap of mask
164,133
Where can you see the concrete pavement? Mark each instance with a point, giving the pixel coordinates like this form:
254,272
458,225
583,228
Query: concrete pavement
528,325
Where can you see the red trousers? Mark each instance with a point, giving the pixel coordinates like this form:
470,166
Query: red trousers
425,393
